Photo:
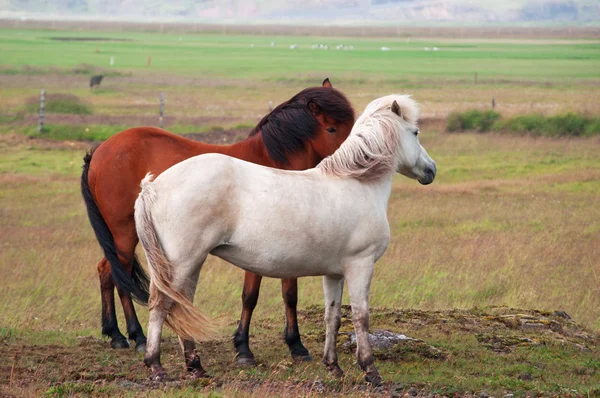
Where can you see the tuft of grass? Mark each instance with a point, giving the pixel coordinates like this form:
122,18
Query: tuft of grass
75,132
481,121
569,124
8,119
59,103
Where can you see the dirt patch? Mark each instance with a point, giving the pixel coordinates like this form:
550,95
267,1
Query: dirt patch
13,140
493,32
88,366
221,136
497,328
127,120
217,136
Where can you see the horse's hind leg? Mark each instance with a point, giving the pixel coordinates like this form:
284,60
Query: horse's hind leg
359,282
241,339
157,317
110,327
134,329
332,288
192,359
126,244
289,291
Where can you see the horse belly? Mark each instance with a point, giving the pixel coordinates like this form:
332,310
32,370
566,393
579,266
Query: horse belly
278,264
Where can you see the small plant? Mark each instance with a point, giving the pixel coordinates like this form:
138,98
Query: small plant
59,103
481,121
77,132
570,124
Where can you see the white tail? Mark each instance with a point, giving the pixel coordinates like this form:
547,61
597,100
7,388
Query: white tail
185,319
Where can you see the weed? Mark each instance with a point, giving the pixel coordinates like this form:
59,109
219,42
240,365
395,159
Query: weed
59,103
94,132
480,121
569,124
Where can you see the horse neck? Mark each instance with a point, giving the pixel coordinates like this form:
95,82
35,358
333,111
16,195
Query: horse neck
252,149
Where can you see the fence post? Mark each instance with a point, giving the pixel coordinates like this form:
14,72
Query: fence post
42,106
162,109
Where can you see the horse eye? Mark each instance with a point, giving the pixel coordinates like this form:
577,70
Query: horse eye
331,129
416,132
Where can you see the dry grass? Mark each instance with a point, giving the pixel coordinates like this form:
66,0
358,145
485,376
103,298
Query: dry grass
124,100
508,221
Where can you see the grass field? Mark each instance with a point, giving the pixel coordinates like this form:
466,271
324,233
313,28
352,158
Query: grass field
232,56
510,221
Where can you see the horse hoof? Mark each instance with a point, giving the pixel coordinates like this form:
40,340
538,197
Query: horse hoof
302,358
336,371
141,348
373,378
120,343
158,376
246,361
198,374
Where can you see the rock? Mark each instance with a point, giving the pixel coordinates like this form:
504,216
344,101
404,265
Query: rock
383,339
389,345
130,385
561,314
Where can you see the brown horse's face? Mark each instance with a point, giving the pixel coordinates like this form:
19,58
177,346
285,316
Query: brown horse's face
330,135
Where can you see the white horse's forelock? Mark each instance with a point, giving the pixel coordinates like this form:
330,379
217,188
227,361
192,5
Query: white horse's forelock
371,150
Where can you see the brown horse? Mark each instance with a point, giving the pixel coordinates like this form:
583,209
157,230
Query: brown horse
296,135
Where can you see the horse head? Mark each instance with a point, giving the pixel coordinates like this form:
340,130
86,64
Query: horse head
413,160
317,119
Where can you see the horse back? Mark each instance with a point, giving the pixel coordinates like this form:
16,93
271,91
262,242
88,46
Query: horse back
119,164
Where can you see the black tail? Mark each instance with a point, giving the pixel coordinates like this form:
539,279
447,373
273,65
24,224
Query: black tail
137,284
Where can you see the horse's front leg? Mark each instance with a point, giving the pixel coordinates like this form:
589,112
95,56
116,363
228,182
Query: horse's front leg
241,338
289,291
359,283
332,289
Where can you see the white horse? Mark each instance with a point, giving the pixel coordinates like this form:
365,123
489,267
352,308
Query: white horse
329,221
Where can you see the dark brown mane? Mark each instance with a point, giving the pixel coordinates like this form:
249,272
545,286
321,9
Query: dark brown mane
290,124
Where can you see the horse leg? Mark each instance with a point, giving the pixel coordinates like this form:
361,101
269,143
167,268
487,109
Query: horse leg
192,359
241,339
332,288
289,291
158,314
134,329
110,327
359,282
126,244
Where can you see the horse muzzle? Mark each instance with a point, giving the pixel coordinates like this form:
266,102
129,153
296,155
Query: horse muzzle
428,175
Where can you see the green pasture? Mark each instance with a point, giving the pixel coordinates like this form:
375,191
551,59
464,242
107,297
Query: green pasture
232,56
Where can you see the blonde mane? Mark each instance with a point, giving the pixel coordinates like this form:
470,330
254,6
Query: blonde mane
372,149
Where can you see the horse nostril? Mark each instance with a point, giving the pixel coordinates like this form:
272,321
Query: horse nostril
431,172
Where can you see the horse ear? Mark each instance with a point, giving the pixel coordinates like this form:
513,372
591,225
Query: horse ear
313,107
396,109
327,83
